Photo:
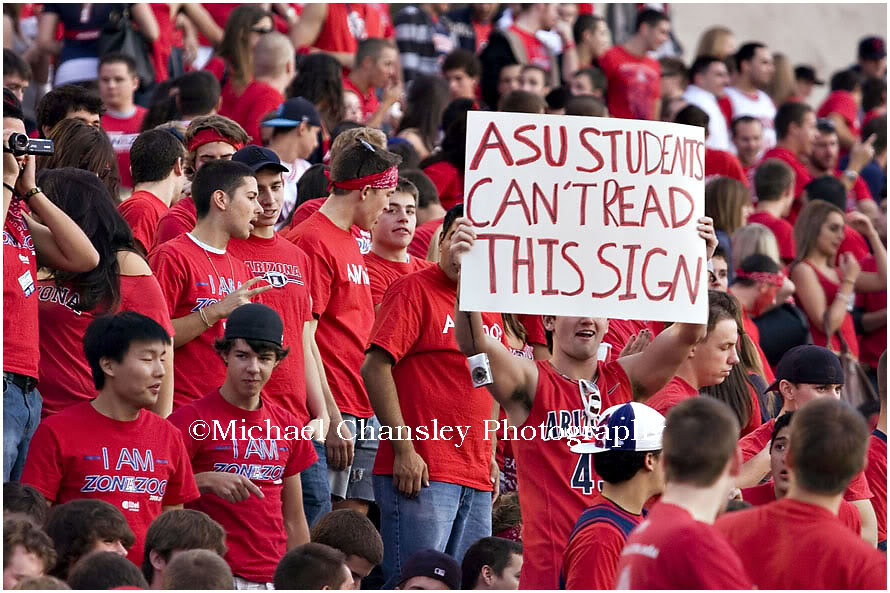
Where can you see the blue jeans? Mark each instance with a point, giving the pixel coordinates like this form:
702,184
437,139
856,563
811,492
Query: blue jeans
446,517
316,491
21,415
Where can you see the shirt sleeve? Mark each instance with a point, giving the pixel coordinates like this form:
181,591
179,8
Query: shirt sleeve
398,322
858,488
43,466
592,559
170,276
181,486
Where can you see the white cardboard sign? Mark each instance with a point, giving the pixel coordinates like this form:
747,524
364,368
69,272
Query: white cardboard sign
585,216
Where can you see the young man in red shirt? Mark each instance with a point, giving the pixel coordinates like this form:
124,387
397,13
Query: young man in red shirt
824,160
296,385
747,138
627,459
112,448
203,283
122,119
363,176
158,178
774,187
250,485
795,132
450,478
876,468
710,361
208,138
828,446
388,259
557,484
676,546
635,78
376,67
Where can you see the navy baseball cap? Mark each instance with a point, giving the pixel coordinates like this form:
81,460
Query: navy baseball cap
258,157
872,48
809,364
631,426
255,321
292,113
429,563
807,73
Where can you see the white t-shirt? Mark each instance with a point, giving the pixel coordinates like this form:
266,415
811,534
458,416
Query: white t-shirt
297,168
760,107
718,133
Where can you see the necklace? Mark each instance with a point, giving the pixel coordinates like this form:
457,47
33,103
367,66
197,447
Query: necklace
215,272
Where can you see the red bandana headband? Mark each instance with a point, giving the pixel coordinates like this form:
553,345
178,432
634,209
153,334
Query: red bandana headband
776,280
208,135
384,180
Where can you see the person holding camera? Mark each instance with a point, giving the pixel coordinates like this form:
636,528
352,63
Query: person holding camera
60,244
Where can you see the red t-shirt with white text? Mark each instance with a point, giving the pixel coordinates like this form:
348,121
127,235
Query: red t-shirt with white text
671,550
634,83
384,272
142,211
122,131
341,301
193,276
266,462
138,466
21,351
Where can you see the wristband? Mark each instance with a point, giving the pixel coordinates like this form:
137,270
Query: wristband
851,174
9,187
33,191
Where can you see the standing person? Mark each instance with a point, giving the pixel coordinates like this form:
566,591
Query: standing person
876,468
251,485
828,446
201,282
634,77
376,67
389,259
795,130
113,448
774,187
158,179
677,547
61,245
754,71
446,484
363,177
709,81
423,36
557,483
632,473
208,138
872,57
747,140
122,119
592,39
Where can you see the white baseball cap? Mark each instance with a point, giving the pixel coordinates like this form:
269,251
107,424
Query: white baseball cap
630,426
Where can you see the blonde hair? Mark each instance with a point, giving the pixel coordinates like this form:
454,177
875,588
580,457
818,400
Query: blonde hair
753,239
724,199
711,41
782,85
808,225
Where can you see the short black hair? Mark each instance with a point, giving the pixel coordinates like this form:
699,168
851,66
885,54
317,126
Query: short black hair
453,214
198,93
746,53
224,345
462,59
110,336
692,115
701,65
788,113
744,119
874,93
827,188
105,570
616,467
650,17
427,193
585,22
406,150
25,500
153,155
12,107
781,422
118,57
55,105
223,175
13,64
494,552
845,80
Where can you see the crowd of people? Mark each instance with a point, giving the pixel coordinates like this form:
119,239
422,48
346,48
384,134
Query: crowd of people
234,354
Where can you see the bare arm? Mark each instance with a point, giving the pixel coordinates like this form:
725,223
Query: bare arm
309,28
46,33
145,18
870,281
867,520
754,470
191,326
295,524
315,401
203,21
390,96
874,320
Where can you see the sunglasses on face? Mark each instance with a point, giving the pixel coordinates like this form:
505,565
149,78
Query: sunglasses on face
261,31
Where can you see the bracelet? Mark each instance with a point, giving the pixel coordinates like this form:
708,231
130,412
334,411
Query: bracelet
9,187
31,192
841,295
203,315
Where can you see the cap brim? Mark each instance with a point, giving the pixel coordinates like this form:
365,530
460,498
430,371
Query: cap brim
818,82
280,122
271,165
592,448
774,386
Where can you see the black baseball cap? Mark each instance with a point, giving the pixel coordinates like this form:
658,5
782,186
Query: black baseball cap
433,564
809,364
258,157
872,48
254,321
807,73
292,113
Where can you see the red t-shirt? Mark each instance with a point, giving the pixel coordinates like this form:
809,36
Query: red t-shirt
859,191
842,103
853,243
216,66
415,326
337,34
123,132
65,376
377,21
534,327
341,301
592,554
770,539
535,50
139,466
449,183
384,272
369,101
634,83
670,395
876,476
621,330
847,330
286,267
142,211
266,462
423,234
21,351
179,219
783,231
720,162
801,176
310,207
482,31
671,550
556,484
192,277
249,109
168,38
766,493
873,344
